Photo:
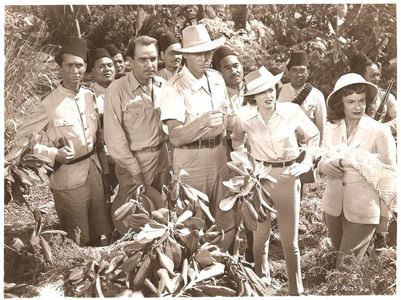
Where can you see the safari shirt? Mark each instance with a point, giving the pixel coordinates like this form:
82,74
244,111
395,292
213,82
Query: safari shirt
185,98
99,92
275,140
132,120
314,105
64,113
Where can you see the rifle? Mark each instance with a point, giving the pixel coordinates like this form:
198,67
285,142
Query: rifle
384,100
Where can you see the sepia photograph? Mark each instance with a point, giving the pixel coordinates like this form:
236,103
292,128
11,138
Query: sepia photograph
200,150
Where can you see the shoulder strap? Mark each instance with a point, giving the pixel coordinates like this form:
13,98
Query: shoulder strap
303,93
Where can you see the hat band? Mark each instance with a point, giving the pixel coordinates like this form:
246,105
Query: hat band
196,43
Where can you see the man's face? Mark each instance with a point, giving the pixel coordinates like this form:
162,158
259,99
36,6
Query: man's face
119,64
72,69
172,59
144,63
298,75
372,74
198,63
103,71
232,71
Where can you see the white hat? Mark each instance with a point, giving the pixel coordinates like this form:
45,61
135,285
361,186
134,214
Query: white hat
260,81
350,79
196,39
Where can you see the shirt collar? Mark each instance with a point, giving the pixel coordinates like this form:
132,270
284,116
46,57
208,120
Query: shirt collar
192,81
251,111
134,84
67,92
98,88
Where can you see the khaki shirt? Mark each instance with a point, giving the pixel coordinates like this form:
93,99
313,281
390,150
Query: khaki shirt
235,99
99,92
314,105
275,140
185,98
132,120
166,74
64,113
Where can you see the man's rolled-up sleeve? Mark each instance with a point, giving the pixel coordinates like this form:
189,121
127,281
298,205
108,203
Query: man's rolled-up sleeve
172,105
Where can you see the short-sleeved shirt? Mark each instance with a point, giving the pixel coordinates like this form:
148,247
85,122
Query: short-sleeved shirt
132,119
185,98
64,113
99,92
314,105
275,140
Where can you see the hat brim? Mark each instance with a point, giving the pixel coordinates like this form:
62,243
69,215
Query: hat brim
372,90
264,86
203,47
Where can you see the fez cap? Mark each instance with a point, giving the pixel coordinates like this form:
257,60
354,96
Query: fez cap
113,50
96,54
74,46
358,64
298,58
220,53
166,40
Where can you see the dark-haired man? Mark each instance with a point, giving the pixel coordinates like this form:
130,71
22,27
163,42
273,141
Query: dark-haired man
67,121
132,126
310,99
168,43
118,60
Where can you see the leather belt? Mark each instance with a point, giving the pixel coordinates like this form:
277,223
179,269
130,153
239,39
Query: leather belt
277,164
149,149
203,143
81,158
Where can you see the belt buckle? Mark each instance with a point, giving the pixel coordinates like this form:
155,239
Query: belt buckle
211,143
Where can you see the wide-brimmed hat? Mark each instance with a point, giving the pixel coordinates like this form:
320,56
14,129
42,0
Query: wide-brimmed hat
196,39
298,58
74,46
260,81
350,79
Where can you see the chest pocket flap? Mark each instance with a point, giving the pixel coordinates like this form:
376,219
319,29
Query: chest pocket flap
63,122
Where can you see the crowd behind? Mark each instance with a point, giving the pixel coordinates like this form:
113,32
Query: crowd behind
132,129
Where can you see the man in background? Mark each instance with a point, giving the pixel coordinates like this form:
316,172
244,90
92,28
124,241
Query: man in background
118,60
168,43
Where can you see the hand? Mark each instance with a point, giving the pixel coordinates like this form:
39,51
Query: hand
382,227
64,154
297,169
212,118
331,168
137,180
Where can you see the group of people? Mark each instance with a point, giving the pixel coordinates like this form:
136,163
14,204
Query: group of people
138,126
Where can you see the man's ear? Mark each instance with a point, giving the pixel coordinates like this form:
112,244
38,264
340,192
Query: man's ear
162,55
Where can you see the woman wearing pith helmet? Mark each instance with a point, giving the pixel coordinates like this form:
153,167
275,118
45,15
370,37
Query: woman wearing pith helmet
353,210
270,128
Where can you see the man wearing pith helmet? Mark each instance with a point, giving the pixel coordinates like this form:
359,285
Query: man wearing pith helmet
191,107
67,120
118,60
299,91
168,43
102,68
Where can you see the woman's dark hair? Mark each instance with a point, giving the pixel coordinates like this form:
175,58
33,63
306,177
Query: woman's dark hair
335,107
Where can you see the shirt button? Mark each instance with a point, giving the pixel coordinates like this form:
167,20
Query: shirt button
343,183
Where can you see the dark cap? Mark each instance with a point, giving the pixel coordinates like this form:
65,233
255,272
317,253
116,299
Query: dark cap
113,50
358,64
298,58
220,53
96,54
166,40
74,46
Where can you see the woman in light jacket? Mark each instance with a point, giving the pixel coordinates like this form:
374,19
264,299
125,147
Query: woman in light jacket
270,129
352,207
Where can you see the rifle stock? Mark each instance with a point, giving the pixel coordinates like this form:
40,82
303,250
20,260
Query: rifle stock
384,100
